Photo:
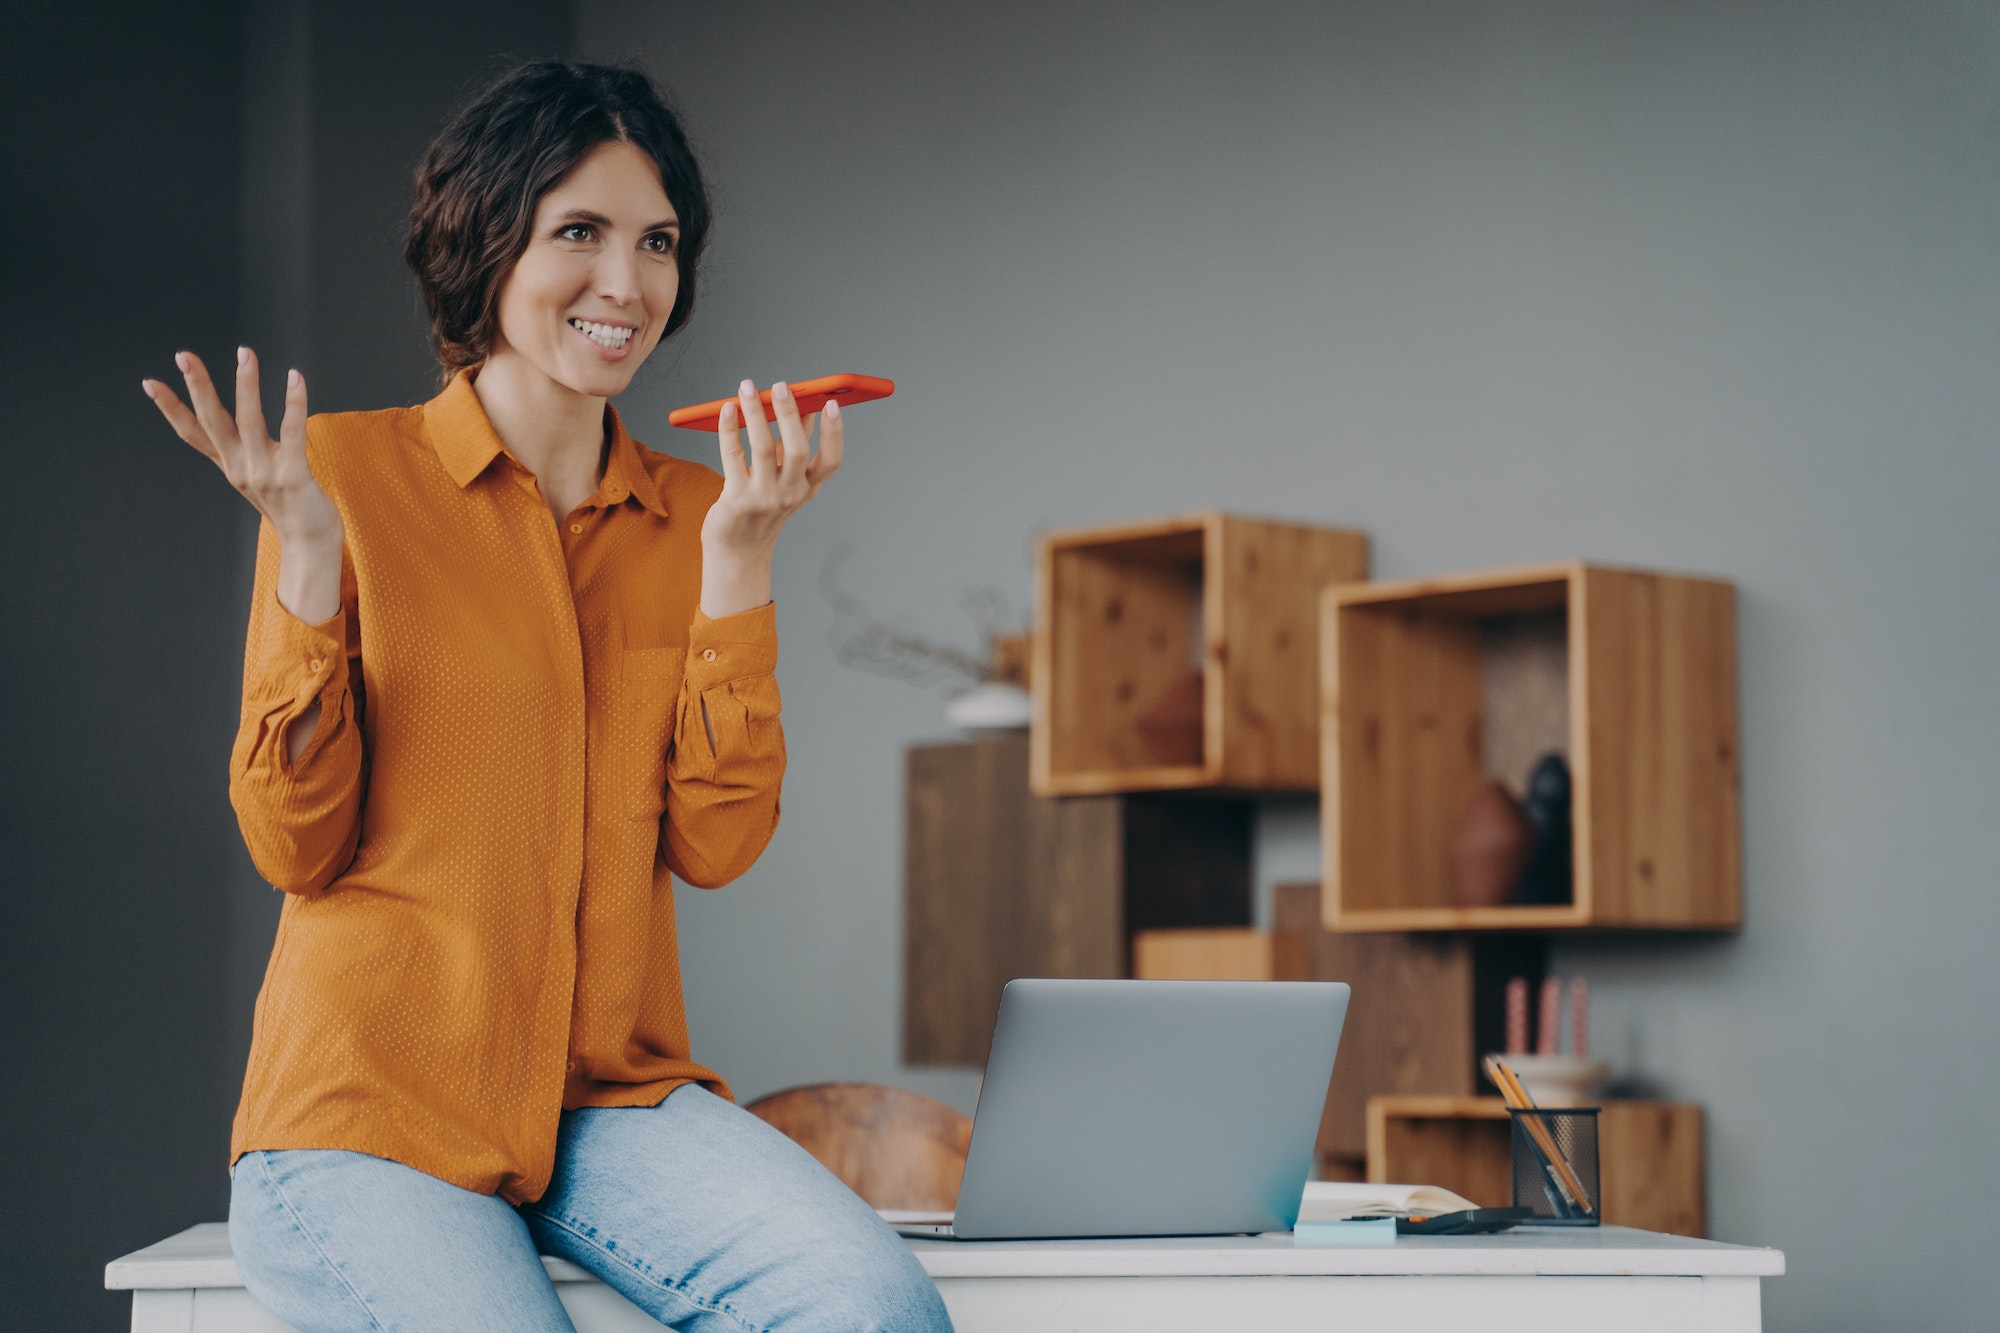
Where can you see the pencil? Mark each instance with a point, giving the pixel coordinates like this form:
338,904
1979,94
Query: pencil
1553,1164
1539,1131
1517,1097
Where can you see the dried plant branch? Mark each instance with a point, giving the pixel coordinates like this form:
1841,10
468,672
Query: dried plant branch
859,639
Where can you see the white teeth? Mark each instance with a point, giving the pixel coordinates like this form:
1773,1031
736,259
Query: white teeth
604,335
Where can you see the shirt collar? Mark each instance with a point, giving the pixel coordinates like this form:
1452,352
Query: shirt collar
467,445
626,473
458,429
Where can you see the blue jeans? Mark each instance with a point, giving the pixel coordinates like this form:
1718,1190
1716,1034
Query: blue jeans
694,1210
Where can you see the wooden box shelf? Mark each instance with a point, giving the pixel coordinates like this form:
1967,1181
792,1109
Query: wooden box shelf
1649,1155
1000,883
1430,687
1180,654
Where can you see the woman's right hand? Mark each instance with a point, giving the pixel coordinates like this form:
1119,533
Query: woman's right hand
272,474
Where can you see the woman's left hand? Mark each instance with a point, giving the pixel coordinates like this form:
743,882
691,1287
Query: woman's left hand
762,487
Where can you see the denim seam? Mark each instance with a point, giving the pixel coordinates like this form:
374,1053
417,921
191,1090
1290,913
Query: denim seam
299,1221
713,1307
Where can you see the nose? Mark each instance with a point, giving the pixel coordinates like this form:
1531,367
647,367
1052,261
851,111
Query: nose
617,275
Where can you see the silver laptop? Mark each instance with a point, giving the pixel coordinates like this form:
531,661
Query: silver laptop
1145,1108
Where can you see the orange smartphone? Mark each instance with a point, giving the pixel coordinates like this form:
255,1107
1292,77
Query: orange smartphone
810,395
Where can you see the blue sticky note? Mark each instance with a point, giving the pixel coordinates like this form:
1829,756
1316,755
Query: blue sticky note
1369,1231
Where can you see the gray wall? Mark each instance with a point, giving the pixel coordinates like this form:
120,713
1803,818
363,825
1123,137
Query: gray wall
191,175
122,648
1702,286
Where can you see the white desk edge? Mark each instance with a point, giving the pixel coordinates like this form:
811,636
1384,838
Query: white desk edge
200,1257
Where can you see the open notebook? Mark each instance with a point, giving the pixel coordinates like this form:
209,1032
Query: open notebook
1337,1200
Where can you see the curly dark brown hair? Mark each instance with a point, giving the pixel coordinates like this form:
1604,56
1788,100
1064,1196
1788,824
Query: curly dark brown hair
481,177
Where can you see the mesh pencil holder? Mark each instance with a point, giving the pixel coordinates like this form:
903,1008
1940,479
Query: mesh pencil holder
1555,1165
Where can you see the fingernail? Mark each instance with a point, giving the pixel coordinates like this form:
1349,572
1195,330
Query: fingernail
242,356
746,387
781,390
292,378
146,387
832,410
181,360
729,410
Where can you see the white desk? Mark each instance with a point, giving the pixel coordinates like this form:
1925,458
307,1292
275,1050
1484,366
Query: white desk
1529,1281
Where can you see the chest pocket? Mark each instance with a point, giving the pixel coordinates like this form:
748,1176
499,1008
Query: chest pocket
649,687
650,672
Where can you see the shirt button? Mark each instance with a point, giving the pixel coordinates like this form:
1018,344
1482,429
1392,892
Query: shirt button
576,527
315,664
569,1066
708,654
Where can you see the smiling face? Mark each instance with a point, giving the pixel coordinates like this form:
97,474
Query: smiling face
589,298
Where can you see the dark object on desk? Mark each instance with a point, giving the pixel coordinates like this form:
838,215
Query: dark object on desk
1547,808
1490,845
1473,1221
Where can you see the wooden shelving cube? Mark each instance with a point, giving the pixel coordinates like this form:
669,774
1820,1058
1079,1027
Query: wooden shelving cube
1000,883
1649,1155
1432,686
1180,654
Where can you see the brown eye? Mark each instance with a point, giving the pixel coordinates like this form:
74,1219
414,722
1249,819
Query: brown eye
660,242
575,231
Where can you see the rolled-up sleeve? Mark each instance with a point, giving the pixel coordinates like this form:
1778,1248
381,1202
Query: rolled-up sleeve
300,818
722,795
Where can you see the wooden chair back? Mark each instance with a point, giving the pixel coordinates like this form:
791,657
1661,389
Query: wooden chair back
893,1147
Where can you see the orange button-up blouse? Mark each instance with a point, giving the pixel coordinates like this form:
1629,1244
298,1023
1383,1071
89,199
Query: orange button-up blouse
512,759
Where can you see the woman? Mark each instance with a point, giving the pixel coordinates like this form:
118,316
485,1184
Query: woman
509,672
